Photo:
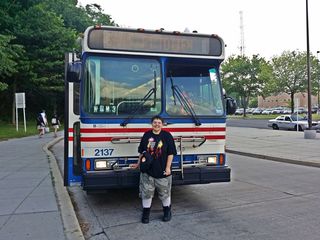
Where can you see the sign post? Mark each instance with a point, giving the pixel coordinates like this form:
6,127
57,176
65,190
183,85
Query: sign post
297,109
21,103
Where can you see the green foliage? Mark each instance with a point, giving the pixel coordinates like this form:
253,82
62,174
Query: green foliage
253,102
96,14
8,130
45,44
8,54
34,35
290,73
246,76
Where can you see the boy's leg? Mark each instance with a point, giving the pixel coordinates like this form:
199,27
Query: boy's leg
146,189
163,186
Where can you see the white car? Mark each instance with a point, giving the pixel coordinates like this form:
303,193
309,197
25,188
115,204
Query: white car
267,112
291,122
239,111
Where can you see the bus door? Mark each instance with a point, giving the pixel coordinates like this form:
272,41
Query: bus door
72,156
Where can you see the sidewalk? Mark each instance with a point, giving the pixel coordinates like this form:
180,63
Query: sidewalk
277,145
29,206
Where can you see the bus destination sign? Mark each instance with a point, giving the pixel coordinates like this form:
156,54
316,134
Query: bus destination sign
106,39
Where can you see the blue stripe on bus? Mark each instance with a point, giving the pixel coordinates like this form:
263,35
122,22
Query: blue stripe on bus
71,177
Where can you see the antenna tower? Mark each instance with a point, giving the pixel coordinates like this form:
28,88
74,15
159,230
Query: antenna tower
241,47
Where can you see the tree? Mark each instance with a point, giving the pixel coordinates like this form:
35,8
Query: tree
8,55
246,77
78,17
95,12
290,72
34,35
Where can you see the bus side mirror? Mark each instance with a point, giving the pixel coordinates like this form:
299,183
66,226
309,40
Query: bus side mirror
231,105
74,72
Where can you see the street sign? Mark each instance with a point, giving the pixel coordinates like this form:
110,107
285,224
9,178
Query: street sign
20,100
21,103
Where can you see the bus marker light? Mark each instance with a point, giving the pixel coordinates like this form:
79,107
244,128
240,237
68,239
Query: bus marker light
221,159
88,165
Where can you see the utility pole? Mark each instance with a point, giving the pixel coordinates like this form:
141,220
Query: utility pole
308,68
318,110
241,47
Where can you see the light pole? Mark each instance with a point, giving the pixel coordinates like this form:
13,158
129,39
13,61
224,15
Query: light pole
318,110
308,69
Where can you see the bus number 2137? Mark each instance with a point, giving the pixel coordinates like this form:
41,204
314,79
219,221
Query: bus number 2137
103,152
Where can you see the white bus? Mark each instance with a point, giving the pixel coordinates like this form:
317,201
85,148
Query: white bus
122,78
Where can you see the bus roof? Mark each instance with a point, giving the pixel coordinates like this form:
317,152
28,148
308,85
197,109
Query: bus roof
115,40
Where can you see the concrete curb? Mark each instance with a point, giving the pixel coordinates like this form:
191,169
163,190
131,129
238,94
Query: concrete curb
70,222
276,159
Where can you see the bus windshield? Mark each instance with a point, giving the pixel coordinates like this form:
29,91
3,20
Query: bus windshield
122,86
201,89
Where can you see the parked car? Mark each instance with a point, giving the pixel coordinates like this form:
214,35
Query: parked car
277,110
291,122
239,111
249,110
314,109
257,111
266,112
286,111
300,110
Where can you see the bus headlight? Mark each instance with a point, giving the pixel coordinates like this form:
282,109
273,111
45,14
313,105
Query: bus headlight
212,159
100,164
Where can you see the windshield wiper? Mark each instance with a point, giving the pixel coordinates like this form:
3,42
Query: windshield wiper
176,92
143,101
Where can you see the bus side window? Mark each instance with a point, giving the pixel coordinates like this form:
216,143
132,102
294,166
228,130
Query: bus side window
76,98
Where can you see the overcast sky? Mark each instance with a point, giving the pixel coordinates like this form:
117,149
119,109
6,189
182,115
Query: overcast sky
270,26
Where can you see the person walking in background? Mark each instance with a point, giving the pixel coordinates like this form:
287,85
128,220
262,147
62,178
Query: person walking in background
46,128
55,124
159,144
44,117
40,124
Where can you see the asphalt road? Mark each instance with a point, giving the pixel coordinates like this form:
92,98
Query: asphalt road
264,200
252,123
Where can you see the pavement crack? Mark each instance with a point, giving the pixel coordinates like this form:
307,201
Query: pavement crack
265,187
97,234
14,211
29,213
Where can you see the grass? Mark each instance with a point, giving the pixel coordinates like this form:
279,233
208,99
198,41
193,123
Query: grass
315,117
8,130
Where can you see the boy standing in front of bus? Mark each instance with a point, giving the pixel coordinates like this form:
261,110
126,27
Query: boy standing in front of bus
160,145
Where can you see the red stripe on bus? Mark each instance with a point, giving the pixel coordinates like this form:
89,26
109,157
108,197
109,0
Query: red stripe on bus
215,137
108,139
96,139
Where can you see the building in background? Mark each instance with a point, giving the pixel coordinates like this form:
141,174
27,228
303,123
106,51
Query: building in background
283,100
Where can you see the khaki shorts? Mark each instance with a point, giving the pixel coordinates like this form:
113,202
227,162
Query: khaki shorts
148,184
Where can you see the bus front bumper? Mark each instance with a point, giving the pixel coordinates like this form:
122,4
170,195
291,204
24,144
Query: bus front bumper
130,178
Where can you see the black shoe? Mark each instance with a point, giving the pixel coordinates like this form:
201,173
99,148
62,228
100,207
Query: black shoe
145,215
166,214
